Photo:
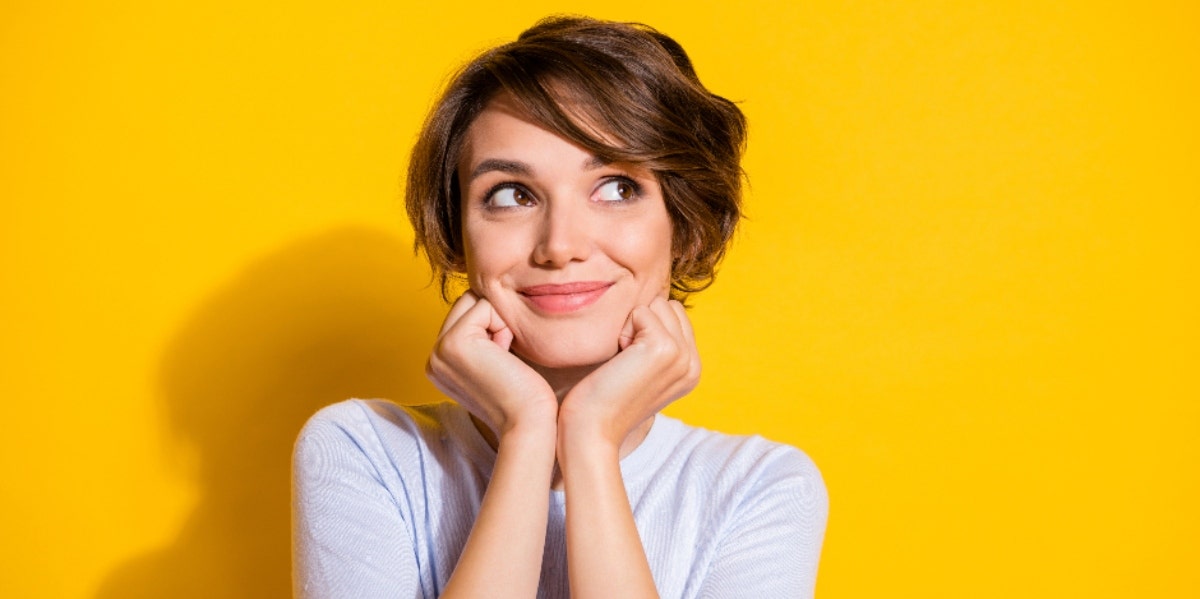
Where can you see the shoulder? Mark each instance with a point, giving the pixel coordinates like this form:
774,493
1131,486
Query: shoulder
353,421
740,455
378,431
358,501
750,513
357,418
765,515
746,468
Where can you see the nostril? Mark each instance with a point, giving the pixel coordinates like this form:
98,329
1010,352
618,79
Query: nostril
562,241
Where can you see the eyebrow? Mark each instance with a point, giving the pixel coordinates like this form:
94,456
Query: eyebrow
514,167
594,162
511,167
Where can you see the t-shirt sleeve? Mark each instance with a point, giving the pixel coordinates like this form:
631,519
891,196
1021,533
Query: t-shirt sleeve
772,545
350,538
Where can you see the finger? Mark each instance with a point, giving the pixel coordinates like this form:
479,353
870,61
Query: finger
626,333
685,323
503,338
480,320
656,311
495,324
460,307
670,321
663,325
496,328
647,324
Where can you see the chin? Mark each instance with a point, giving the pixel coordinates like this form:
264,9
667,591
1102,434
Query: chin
568,349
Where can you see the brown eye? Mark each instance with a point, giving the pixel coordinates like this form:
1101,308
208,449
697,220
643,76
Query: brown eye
617,190
510,197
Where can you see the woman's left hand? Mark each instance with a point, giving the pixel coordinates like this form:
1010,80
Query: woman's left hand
657,364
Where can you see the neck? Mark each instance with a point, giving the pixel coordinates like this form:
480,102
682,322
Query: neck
562,380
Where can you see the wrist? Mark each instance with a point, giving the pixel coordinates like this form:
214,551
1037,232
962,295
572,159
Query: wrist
594,439
527,430
530,429
586,439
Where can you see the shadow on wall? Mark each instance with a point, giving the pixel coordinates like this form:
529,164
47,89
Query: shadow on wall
345,314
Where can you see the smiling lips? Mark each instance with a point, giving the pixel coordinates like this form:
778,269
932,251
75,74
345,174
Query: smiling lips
568,297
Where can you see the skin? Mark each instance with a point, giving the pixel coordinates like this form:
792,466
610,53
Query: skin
573,379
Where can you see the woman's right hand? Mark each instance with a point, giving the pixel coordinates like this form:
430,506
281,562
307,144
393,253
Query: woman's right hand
471,364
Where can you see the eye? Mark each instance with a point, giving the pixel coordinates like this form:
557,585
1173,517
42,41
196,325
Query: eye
508,196
617,190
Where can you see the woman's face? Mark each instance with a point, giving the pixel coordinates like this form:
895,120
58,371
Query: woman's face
563,245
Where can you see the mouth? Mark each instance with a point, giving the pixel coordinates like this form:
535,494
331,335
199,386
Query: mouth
564,298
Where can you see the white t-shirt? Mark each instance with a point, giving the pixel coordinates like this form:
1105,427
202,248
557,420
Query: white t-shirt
385,497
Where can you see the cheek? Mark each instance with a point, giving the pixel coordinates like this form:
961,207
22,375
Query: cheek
477,267
490,254
648,249
483,273
647,260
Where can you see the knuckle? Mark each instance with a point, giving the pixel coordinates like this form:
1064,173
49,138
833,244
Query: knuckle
450,349
435,369
662,351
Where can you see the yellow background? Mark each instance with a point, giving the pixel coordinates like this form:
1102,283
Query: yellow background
968,285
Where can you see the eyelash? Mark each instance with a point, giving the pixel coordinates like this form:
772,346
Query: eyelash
491,193
488,198
633,186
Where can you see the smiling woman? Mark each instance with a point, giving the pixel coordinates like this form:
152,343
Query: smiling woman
582,182
561,232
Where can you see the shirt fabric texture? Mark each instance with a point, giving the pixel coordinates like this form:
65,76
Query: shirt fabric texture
385,495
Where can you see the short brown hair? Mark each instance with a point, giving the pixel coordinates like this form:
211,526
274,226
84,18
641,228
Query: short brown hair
577,76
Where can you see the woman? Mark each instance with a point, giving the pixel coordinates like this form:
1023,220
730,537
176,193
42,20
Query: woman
582,181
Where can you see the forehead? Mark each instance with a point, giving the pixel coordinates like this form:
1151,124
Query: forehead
585,129
503,133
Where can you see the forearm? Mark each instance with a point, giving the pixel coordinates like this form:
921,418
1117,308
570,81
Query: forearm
503,554
605,557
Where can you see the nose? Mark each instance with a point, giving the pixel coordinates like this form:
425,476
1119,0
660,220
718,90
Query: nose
563,237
